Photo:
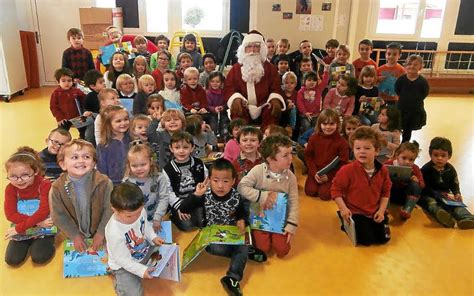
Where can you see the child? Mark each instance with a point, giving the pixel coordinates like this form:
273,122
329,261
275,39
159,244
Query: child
283,46
184,173
289,93
441,179
129,239
146,87
304,68
232,148
126,86
95,81
25,173
209,64
80,198
389,127
193,96
203,136
170,91
323,146
142,171
366,90
223,205
349,125
305,51
270,43
56,138
249,139
281,61
388,74
163,57
406,193
361,189
309,99
155,106
139,127
331,47
66,100
218,119
118,65
365,50
140,45
140,67
412,89
340,65
172,121
262,184
107,97
163,43
112,150
341,98
189,46
77,57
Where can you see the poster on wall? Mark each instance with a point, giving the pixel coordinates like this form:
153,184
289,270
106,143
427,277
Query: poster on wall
305,23
287,15
303,6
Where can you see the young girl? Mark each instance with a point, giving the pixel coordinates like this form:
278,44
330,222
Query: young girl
209,65
27,188
340,65
289,93
107,97
171,92
163,43
190,47
146,86
140,67
232,147
126,86
323,146
203,136
218,119
163,58
406,192
389,125
155,106
139,126
118,65
142,171
366,90
112,151
341,98
185,60
412,89
349,125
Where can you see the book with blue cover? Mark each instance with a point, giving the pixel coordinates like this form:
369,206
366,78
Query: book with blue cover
109,50
165,232
29,207
448,199
387,85
127,103
87,264
271,220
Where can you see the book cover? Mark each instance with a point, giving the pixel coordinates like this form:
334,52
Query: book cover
272,220
81,121
127,103
387,85
349,228
165,232
448,199
29,207
165,260
329,167
371,106
109,50
399,173
87,264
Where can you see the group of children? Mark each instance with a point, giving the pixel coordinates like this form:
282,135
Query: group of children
136,167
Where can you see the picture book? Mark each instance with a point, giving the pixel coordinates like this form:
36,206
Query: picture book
387,85
271,220
87,264
165,260
399,173
349,228
329,167
109,50
214,234
81,121
165,232
370,106
29,207
127,103
448,199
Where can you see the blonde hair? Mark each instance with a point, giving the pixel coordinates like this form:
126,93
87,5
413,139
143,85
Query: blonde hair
122,79
27,156
136,61
105,91
139,39
173,113
138,118
81,144
145,78
106,132
367,71
190,71
351,120
288,75
141,148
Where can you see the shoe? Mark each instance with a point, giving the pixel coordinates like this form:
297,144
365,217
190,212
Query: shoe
466,223
256,255
445,218
410,204
231,285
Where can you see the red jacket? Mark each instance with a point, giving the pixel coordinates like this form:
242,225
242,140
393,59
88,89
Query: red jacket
193,98
158,76
416,171
322,149
38,190
361,194
63,103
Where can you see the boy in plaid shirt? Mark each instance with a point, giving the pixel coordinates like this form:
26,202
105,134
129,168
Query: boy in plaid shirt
77,58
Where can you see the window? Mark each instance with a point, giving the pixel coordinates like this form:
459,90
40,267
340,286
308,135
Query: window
105,3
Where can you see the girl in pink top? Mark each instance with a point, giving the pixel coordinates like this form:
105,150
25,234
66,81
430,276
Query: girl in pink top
232,147
341,98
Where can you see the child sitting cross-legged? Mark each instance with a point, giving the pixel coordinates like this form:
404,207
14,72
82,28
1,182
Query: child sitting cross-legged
55,140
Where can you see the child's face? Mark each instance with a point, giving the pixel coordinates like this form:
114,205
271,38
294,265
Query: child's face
329,128
162,44
414,67
189,45
342,56
99,85
439,158
148,87
140,67
221,182
365,152
76,41
249,143
111,99
192,80
282,160
172,124
181,150
331,51
290,85
120,122
271,48
169,81
163,61
65,82
21,170
127,86
383,118
306,48
235,132
209,65
114,35
77,162
365,51
155,107
185,63
305,67
342,86
215,83
55,141
128,217
282,66
140,128
118,62
368,80
282,48
406,158
310,83
141,47
392,55
139,165
349,129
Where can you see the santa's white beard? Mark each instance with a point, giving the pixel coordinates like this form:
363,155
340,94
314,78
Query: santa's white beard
252,68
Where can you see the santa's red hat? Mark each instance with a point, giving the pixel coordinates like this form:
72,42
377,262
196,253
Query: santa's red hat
253,36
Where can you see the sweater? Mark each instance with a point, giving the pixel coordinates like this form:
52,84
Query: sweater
158,76
387,86
392,137
360,193
244,165
343,104
411,101
359,64
160,143
193,98
50,162
256,185
63,103
91,102
309,100
231,150
78,60
215,98
443,181
112,158
38,190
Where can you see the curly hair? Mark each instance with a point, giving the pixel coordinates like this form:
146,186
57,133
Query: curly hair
271,144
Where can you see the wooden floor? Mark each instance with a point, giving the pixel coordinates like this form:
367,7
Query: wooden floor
421,259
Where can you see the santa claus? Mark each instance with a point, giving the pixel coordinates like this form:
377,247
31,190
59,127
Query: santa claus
252,87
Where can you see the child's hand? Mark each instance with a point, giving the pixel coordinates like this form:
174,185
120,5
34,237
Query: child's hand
289,236
219,108
46,223
156,225
321,179
183,216
147,273
270,202
207,128
305,145
290,104
194,111
11,232
156,115
201,188
158,241
363,99
87,113
134,50
61,122
414,179
326,68
346,214
379,215
308,115
79,244
241,226
458,197
97,241
202,111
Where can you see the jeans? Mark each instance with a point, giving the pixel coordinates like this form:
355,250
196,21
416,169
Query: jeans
219,123
432,205
238,257
197,217
41,249
127,283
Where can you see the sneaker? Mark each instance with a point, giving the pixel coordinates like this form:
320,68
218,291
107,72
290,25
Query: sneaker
256,254
466,223
445,218
410,204
231,285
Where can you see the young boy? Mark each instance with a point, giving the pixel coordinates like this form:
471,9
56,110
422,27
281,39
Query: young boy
365,50
270,43
262,184
107,97
388,74
209,64
140,44
441,180
305,51
126,86
281,61
95,81
283,46
331,46
361,189
306,67
249,140
130,237
66,100
77,58
223,206
193,96
56,138
80,197
184,172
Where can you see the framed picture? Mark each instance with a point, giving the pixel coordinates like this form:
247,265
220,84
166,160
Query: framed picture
287,15
326,7
276,7
303,6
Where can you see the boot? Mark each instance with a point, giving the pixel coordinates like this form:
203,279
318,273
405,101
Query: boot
444,217
408,207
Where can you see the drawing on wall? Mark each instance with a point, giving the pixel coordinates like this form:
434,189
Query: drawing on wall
287,15
326,6
276,7
303,6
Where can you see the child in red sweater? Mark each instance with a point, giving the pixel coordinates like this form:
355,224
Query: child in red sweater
361,189
27,206
193,96
323,146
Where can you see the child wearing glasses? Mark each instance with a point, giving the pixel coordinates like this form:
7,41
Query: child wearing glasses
56,138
